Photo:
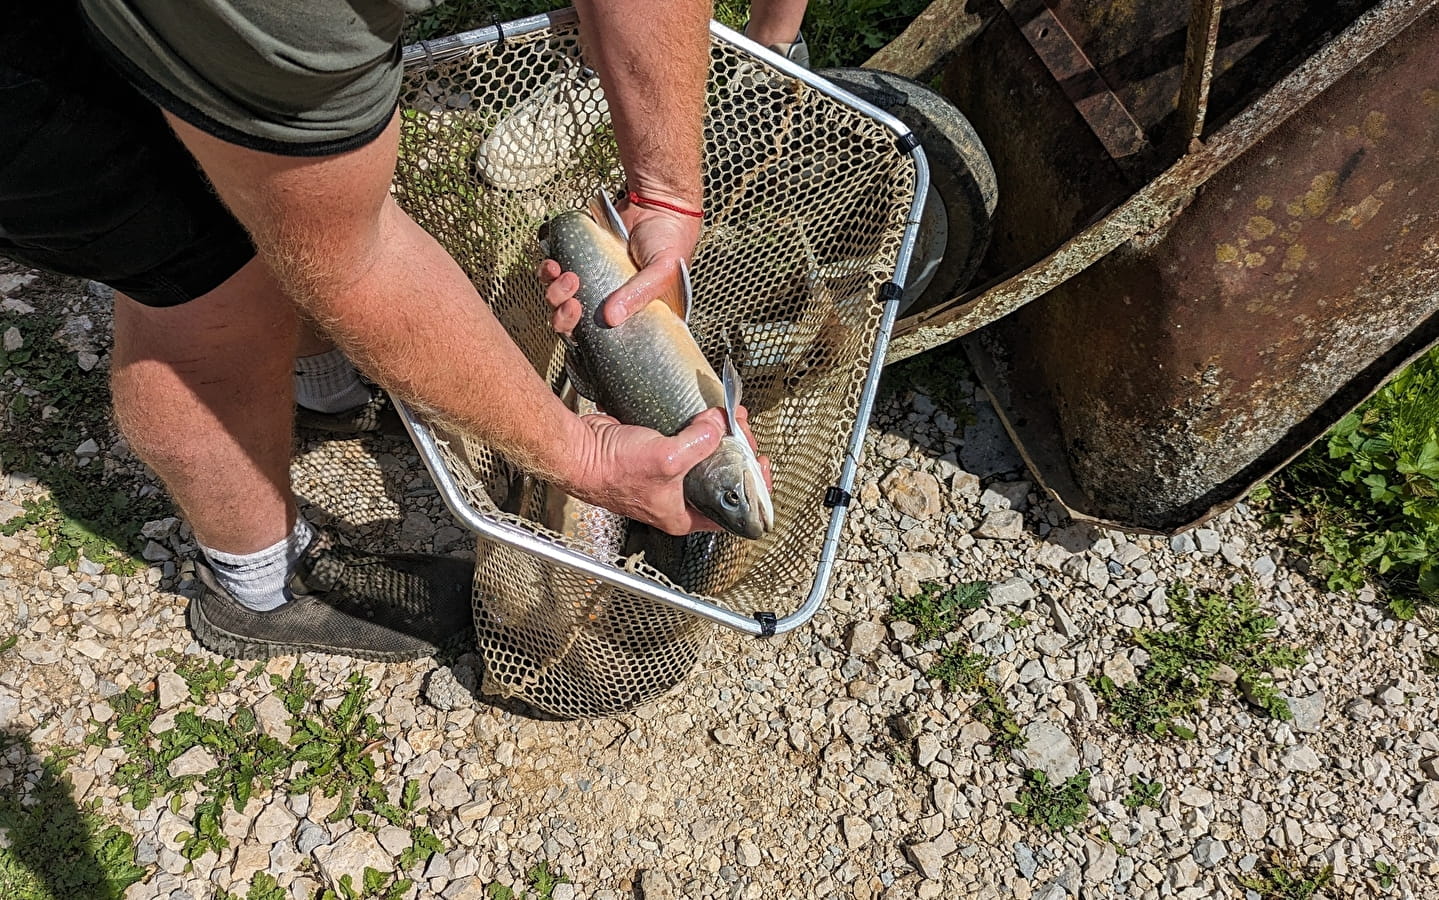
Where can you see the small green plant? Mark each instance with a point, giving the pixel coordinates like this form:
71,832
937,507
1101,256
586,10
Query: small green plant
1386,871
1143,793
423,844
936,610
1276,881
204,677
1055,807
939,375
496,891
965,672
1366,499
1214,629
263,886
9,642
543,881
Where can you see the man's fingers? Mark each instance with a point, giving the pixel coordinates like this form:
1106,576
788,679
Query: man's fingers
635,294
697,441
565,318
562,288
548,271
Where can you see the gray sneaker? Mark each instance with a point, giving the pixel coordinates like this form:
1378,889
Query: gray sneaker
384,608
545,134
375,416
797,53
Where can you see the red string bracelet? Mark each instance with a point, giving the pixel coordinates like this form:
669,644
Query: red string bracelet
637,200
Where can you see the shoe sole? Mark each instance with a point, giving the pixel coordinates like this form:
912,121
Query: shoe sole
233,646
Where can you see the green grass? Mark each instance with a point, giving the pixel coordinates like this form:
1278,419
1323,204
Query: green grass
1213,629
936,610
963,671
58,851
839,32
1056,807
1276,881
1365,500
90,511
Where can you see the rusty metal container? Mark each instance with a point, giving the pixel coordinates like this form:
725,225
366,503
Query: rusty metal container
1218,233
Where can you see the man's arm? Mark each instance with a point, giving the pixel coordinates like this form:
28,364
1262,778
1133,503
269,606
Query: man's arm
652,57
404,311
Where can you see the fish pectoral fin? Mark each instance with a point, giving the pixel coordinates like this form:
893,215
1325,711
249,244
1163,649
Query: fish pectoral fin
602,210
676,295
733,392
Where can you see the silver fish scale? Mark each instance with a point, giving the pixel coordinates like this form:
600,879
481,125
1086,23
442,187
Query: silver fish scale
805,207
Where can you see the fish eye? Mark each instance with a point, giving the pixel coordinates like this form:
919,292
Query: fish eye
730,500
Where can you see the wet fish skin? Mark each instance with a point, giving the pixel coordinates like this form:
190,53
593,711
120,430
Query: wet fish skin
649,371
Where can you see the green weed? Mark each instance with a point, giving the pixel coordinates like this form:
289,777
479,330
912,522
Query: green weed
1214,629
936,610
1143,793
263,886
333,745
966,672
53,850
9,643
543,881
204,677
939,374
374,885
1386,871
1275,881
1366,499
1055,807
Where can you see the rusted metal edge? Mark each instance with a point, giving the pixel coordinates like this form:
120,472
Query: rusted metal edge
1201,39
1153,205
1102,110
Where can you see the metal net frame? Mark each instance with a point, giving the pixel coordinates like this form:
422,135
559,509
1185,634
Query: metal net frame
810,211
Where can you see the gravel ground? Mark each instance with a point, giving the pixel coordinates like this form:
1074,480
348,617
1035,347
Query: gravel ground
821,763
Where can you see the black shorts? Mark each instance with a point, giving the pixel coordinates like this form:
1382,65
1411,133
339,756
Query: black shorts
92,181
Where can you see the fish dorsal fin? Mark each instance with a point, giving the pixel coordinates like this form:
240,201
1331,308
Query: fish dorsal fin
733,390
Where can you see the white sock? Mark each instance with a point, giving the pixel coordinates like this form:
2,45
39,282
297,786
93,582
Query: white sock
258,579
328,383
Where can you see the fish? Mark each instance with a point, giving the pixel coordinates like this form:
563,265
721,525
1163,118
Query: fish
649,370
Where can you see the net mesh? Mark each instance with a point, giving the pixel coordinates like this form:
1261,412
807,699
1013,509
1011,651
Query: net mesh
805,206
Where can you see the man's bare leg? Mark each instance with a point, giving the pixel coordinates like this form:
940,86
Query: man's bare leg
775,21
203,393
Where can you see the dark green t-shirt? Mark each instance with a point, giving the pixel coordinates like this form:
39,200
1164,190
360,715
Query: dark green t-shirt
297,77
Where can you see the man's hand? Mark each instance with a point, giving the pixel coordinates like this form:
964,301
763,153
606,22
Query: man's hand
639,473
659,239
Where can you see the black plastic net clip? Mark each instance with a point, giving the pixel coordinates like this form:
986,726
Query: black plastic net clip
766,622
890,291
906,142
499,29
836,496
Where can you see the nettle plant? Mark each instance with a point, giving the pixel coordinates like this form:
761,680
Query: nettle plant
1367,498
